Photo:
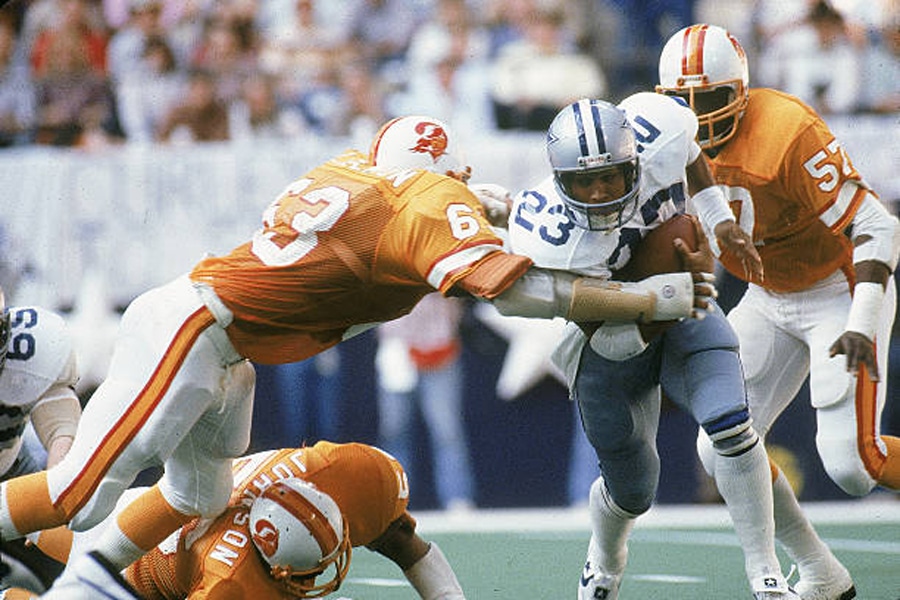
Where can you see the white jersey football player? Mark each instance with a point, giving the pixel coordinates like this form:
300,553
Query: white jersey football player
37,377
619,172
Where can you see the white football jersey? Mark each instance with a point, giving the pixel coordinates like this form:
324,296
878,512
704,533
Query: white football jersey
40,355
540,226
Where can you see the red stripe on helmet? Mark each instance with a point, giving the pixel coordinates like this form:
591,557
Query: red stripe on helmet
692,50
307,513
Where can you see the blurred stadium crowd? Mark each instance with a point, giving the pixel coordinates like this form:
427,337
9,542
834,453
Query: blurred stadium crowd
89,73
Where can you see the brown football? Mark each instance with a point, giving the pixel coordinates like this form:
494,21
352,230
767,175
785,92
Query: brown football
656,253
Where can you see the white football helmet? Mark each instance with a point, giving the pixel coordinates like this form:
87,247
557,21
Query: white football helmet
416,142
707,67
592,136
301,532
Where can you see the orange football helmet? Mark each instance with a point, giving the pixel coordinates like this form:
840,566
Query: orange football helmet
707,67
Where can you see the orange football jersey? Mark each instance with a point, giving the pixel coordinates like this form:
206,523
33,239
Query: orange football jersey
349,245
217,559
793,187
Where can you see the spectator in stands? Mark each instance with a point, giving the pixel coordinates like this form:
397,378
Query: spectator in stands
228,52
303,54
419,370
645,27
74,27
16,89
382,30
258,114
145,95
75,104
881,73
506,22
449,74
200,117
815,60
126,45
362,104
117,13
535,77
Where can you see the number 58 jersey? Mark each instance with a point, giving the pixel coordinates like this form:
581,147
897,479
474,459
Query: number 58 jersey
540,226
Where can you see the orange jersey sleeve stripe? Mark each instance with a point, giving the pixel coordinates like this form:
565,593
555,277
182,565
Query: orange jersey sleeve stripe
83,486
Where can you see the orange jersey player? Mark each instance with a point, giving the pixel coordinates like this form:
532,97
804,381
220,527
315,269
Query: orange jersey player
225,557
829,248
354,242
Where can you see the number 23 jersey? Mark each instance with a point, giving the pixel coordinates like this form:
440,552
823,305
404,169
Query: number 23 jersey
540,226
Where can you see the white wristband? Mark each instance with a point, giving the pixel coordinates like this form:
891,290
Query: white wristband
865,310
712,207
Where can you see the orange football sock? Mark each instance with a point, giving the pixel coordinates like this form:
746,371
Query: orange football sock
890,475
29,504
19,594
149,519
56,543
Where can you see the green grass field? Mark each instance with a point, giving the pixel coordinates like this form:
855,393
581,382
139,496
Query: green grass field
675,553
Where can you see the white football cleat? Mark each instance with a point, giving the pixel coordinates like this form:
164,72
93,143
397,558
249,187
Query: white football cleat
597,585
773,587
835,584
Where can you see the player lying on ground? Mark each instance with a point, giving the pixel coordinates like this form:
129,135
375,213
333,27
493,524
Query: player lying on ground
288,531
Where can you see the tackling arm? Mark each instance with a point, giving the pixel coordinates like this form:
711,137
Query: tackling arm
546,293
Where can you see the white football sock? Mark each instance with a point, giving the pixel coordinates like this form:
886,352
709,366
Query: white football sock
610,527
745,483
794,531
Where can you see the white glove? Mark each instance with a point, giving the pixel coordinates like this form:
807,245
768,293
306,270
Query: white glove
675,295
496,200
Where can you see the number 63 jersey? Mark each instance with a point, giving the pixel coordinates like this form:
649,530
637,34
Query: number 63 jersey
540,226
348,246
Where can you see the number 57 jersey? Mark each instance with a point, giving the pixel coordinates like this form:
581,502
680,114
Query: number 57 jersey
794,191
348,246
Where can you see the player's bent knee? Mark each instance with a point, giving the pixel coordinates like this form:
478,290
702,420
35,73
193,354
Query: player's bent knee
842,462
99,506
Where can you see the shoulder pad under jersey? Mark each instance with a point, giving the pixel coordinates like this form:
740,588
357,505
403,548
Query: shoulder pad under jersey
39,350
